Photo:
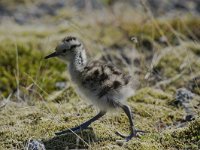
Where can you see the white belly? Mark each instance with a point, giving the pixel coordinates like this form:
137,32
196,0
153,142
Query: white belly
107,102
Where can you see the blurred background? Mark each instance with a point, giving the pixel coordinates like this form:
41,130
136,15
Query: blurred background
156,41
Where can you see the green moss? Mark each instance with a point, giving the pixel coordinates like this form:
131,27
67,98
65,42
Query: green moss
68,140
31,67
151,96
169,64
194,47
66,96
184,138
44,118
48,110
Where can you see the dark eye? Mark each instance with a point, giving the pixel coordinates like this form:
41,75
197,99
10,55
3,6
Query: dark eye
74,46
64,50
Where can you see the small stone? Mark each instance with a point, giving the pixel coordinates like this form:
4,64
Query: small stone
189,117
163,39
60,85
35,145
134,39
183,96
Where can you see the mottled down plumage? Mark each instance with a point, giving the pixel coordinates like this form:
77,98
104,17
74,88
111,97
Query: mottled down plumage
106,82
101,83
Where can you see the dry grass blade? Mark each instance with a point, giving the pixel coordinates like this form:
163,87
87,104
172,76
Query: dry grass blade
5,101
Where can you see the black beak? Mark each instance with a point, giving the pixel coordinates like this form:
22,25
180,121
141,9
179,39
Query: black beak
51,55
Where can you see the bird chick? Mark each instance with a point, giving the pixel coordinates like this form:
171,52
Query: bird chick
102,84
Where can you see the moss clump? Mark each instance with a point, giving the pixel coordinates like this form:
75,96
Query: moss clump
66,96
184,138
174,66
195,48
21,62
194,85
150,96
169,64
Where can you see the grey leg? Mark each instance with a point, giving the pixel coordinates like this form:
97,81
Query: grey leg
133,131
83,125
